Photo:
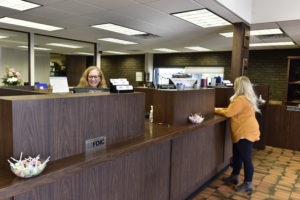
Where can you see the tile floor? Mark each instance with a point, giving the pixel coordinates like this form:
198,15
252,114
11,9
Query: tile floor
276,176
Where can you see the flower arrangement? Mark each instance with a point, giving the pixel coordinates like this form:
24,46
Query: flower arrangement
11,77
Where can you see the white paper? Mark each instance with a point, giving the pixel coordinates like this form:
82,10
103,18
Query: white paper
139,76
124,87
59,84
119,81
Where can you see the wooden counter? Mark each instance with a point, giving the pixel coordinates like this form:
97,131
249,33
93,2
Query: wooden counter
282,127
58,125
174,106
156,137
140,162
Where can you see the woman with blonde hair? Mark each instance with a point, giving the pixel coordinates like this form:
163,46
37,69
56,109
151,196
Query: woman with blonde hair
92,77
244,131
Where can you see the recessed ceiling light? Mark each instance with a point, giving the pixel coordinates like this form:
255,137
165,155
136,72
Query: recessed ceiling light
115,52
119,29
266,32
36,48
228,34
203,18
271,44
257,32
84,53
117,41
18,4
2,36
64,45
198,48
29,24
166,50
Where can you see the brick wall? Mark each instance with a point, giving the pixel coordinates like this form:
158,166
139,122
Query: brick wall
123,66
268,67
214,59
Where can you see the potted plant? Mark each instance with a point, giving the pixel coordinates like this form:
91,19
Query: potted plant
11,77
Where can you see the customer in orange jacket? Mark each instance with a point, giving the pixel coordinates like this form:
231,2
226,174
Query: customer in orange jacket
244,131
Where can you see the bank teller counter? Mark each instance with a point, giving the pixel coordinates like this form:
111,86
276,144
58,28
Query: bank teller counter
283,126
142,160
203,152
59,124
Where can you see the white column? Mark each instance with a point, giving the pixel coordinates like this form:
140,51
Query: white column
31,58
98,55
149,67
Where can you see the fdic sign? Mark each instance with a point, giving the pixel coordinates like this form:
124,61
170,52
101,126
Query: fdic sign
95,143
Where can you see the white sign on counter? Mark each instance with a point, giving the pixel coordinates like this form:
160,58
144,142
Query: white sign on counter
59,84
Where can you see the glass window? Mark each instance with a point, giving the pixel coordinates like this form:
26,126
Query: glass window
14,53
61,57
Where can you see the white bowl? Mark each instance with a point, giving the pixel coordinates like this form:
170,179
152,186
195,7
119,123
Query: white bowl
196,118
23,172
28,167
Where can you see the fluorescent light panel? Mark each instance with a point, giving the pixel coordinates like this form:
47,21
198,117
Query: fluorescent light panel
84,53
36,48
257,32
18,4
228,34
266,32
198,48
117,41
272,44
2,36
29,24
64,45
203,18
119,29
166,50
115,52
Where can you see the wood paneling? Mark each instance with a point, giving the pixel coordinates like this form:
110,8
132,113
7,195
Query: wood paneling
196,158
75,67
282,127
58,126
240,50
6,139
149,96
174,106
223,94
141,175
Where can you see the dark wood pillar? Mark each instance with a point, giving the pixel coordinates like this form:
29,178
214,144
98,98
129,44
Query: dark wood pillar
240,50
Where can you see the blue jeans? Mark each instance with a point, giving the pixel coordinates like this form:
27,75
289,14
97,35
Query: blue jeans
242,154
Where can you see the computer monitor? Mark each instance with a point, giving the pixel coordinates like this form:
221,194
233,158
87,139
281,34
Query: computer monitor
90,90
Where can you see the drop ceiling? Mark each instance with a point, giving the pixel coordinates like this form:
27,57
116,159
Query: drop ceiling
151,16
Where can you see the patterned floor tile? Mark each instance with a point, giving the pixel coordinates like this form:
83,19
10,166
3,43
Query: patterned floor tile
276,176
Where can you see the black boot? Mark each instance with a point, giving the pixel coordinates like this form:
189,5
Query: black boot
245,187
231,179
